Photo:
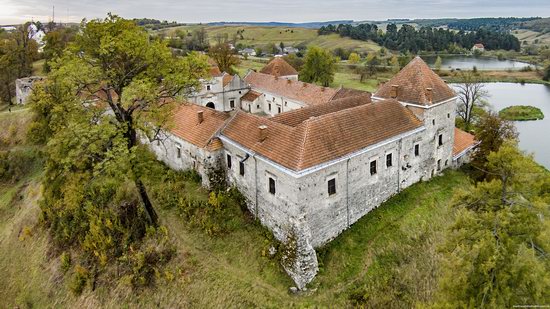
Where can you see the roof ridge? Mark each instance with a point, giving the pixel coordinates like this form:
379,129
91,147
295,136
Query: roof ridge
306,125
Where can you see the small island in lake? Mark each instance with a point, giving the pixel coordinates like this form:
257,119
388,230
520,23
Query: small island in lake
521,113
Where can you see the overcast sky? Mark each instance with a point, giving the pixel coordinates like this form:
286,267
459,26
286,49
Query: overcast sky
17,11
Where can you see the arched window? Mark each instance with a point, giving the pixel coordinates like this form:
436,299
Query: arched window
211,105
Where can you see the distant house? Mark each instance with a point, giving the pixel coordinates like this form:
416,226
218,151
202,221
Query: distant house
290,50
478,47
248,51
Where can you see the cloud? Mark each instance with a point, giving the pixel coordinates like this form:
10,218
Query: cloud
16,11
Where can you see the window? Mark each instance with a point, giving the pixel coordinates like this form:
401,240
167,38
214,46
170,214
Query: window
438,165
241,168
207,87
269,106
286,103
416,150
271,185
332,186
389,162
440,139
446,162
232,103
448,115
373,167
279,109
178,151
258,106
229,161
433,122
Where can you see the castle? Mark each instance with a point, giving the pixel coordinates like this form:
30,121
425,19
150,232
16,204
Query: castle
313,160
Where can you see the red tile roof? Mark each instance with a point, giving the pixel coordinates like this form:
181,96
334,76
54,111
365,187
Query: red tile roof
309,94
463,141
413,81
279,67
226,79
187,127
324,138
251,96
297,116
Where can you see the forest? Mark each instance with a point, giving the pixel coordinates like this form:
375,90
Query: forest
408,38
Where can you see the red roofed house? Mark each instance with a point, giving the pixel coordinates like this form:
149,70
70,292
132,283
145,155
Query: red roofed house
478,47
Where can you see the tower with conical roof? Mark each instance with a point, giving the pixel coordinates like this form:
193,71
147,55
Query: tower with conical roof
280,68
429,97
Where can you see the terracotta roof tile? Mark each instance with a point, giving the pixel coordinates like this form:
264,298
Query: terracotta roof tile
309,94
227,78
413,81
187,127
323,138
251,96
463,141
279,67
348,92
297,116
215,71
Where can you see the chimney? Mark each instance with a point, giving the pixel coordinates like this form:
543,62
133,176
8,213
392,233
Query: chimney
263,132
200,116
394,91
429,94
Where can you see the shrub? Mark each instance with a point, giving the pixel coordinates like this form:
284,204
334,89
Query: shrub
14,165
142,265
65,261
79,279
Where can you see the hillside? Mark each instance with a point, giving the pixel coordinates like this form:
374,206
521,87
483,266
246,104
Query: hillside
260,36
389,255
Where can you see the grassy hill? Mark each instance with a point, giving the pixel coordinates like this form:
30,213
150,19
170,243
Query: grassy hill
387,259
259,36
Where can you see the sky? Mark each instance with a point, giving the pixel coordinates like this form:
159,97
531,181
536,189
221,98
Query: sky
194,11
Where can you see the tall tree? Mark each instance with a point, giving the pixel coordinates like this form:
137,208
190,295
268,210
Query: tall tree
114,61
319,66
17,53
471,93
496,251
492,131
354,58
224,56
56,41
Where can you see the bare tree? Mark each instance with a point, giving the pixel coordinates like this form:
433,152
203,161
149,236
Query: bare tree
471,93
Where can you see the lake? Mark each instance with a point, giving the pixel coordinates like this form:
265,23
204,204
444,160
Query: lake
534,136
468,62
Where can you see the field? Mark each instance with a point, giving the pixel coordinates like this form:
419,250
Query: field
262,36
387,259
532,37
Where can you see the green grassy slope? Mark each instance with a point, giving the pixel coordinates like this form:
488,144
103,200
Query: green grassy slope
261,36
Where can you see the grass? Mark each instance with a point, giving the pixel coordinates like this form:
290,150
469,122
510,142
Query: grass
521,113
38,68
261,36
